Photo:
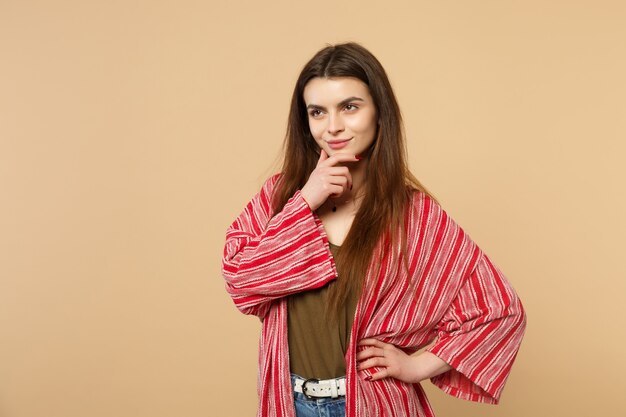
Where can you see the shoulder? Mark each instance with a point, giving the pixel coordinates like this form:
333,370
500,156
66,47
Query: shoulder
423,205
425,215
263,199
439,237
269,185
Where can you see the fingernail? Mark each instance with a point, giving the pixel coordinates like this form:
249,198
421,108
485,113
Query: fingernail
358,157
368,378
350,186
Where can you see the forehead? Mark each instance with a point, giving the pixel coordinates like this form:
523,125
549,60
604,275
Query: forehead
332,90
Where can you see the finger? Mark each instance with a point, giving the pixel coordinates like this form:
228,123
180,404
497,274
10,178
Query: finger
339,157
340,182
336,170
370,353
349,178
364,354
372,362
379,375
323,157
336,191
340,176
336,185
372,342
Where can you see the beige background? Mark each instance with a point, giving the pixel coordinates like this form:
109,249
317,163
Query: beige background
133,133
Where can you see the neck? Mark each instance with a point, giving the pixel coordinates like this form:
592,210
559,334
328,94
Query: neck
358,171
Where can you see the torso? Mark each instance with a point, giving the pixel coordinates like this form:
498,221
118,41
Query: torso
315,349
318,346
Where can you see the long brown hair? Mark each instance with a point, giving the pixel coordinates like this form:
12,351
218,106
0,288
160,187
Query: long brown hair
388,185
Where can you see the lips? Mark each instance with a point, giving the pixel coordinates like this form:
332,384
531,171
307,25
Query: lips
338,143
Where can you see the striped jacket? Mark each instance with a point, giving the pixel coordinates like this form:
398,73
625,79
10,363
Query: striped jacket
452,294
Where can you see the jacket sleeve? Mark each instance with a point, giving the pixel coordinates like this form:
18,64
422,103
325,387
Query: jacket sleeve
479,336
268,257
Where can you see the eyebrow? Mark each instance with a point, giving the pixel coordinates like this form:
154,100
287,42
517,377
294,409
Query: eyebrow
341,103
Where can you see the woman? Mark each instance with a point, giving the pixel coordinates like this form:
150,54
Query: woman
354,268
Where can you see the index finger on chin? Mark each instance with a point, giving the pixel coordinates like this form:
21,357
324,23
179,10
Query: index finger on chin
323,156
341,157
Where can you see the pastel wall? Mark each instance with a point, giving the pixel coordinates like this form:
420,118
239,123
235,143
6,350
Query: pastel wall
133,133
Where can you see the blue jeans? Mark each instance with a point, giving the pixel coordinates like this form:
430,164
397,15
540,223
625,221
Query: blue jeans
318,407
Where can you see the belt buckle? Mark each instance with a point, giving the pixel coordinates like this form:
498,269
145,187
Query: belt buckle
304,387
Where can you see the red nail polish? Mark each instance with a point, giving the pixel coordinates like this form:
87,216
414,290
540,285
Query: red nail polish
358,157
368,378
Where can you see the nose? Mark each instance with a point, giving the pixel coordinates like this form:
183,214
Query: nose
335,124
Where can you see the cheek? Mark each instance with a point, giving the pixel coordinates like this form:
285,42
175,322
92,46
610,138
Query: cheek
316,128
364,124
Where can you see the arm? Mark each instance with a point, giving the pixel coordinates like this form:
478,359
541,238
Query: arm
266,258
479,336
397,364
477,342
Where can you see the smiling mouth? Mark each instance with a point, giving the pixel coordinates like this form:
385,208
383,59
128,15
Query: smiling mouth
338,143
335,141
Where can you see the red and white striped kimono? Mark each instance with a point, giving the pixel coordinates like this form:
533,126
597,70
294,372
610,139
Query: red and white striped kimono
452,293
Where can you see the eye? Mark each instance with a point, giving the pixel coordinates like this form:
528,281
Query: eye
315,113
351,107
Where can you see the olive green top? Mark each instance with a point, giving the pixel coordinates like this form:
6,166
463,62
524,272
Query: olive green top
317,348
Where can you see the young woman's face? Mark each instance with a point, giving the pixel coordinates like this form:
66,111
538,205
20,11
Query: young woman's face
342,114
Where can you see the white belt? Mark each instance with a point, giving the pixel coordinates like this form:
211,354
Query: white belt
315,388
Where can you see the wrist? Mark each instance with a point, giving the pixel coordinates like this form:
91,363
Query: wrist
417,370
427,365
308,200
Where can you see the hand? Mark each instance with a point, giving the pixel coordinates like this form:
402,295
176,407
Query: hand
327,180
395,362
